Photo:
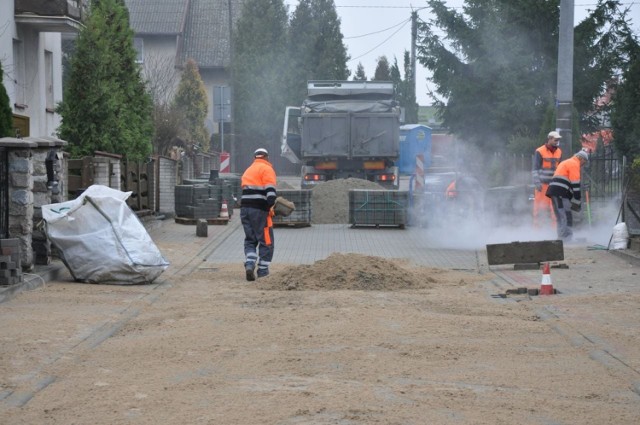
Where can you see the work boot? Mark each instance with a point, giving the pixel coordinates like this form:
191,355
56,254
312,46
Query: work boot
251,276
263,272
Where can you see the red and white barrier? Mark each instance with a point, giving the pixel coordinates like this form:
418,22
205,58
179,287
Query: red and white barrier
225,162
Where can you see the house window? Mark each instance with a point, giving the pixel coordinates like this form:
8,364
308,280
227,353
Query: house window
138,44
48,69
19,75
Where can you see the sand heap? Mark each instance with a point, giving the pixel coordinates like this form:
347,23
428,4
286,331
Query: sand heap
348,271
330,200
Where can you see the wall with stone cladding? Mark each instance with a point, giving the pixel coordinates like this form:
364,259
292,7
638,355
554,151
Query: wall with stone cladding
167,180
20,224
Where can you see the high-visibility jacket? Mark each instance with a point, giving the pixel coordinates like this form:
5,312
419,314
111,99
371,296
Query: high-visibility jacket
566,181
259,185
545,162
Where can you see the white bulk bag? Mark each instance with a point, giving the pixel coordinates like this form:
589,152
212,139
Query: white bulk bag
101,240
620,238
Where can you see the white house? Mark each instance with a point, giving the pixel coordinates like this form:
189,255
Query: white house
30,52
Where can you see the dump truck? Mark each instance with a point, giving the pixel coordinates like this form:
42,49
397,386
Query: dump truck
344,129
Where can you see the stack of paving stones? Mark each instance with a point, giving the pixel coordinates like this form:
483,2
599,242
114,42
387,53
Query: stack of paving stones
301,216
197,201
232,184
378,207
10,267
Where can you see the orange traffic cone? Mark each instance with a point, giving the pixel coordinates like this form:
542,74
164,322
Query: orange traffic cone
546,287
224,210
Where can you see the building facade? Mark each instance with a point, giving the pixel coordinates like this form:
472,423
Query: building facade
30,51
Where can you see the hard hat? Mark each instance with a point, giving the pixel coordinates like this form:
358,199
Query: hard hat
260,152
554,134
582,154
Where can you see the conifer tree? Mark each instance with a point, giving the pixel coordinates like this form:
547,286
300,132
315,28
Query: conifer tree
106,106
261,75
6,116
190,102
498,69
625,117
383,72
316,45
360,74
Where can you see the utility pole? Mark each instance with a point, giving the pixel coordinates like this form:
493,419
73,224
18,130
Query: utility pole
232,144
564,101
414,37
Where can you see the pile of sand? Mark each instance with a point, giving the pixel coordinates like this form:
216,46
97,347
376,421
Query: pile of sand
330,200
349,271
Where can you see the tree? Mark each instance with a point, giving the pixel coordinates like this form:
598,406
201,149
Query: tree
382,73
316,45
496,73
161,78
190,103
625,117
105,104
261,74
6,116
405,89
360,75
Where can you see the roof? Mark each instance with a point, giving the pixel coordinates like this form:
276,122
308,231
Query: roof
157,16
202,24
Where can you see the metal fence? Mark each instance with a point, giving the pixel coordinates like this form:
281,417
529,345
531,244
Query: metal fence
4,193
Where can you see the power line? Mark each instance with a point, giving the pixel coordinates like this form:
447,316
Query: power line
385,40
378,32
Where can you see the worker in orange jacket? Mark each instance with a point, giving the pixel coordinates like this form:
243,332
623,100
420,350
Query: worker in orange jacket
545,161
256,209
564,192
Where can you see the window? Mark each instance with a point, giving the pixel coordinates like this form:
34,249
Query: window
48,69
138,44
19,75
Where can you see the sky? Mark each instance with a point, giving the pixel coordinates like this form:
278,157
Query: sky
374,28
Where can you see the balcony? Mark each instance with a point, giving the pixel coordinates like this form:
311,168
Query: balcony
50,15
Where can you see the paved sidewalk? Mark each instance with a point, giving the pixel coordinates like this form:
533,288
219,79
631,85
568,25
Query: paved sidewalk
186,251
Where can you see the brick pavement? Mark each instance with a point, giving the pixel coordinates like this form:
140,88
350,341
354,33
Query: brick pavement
186,251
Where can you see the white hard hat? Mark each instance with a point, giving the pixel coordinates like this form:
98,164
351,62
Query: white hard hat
260,152
554,134
583,154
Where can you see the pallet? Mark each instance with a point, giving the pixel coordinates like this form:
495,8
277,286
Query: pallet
194,221
377,226
296,224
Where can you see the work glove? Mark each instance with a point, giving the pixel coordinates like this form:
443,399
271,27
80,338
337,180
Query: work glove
575,207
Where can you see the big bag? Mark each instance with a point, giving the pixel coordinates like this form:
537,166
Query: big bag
101,240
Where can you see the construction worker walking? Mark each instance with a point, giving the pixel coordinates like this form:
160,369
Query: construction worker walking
258,197
545,161
564,192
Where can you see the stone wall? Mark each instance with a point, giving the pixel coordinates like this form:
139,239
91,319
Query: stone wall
20,191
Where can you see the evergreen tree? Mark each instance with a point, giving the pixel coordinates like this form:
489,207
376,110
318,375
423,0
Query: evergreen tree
383,73
190,102
409,96
316,45
6,116
261,75
105,104
360,74
625,116
499,68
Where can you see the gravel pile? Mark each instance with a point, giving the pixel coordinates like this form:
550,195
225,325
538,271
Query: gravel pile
330,200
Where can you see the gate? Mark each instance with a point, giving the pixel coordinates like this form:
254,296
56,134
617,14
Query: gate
604,176
135,178
4,193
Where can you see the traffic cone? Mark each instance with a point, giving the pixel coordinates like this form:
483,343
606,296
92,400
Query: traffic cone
224,210
546,287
